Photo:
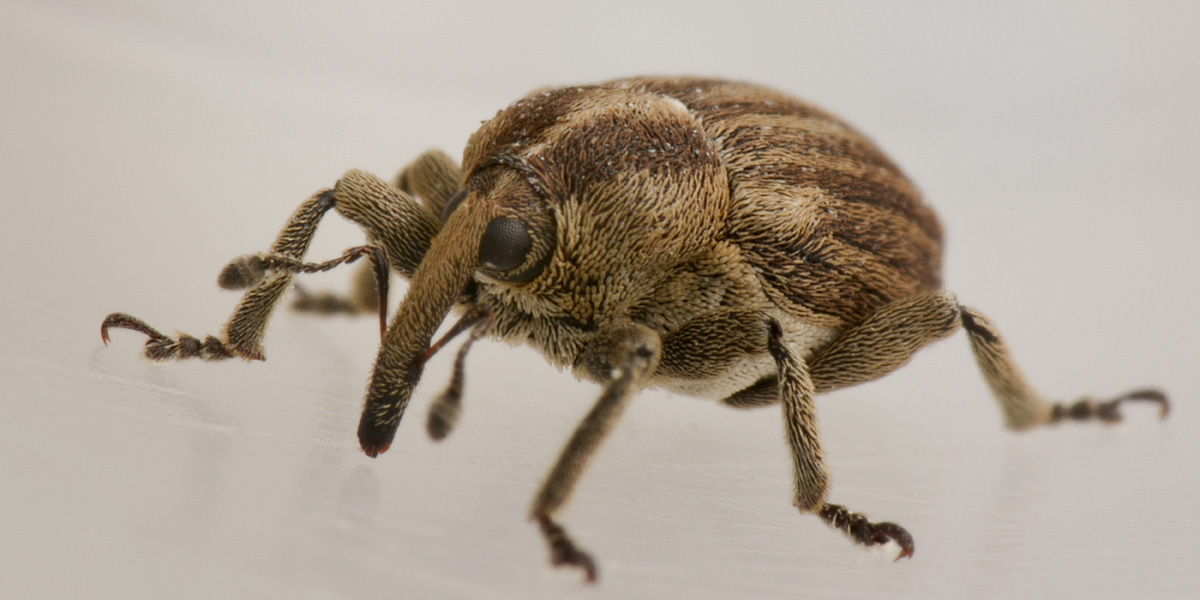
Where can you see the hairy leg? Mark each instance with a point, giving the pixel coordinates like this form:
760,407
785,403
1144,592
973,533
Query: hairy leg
880,344
447,407
432,178
621,358
392,220
1023,407
889,338
797,394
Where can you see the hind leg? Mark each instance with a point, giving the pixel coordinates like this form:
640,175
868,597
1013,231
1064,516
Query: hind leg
1023,407
891,336
880,344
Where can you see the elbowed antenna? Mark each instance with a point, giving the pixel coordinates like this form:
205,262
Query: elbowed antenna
452,257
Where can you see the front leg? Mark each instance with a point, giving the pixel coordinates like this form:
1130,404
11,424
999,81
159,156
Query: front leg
244,331
622,358
433,178
392,220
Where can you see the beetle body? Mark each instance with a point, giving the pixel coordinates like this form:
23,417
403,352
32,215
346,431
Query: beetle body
712,238
677,197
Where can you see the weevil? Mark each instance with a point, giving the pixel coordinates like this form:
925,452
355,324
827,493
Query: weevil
711,238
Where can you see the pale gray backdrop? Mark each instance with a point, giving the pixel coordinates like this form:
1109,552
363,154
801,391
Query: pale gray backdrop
145,143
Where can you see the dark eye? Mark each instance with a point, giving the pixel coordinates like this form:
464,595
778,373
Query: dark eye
452,204
505,245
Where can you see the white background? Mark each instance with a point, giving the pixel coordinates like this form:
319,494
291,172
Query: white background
145,143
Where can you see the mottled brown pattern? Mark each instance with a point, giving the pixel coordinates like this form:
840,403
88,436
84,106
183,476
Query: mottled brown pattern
714,238
628,176
872,240
830,224
515,128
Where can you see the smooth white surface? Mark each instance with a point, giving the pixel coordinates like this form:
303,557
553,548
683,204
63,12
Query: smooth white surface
146,143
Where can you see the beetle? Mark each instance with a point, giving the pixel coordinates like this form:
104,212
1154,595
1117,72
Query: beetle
712,238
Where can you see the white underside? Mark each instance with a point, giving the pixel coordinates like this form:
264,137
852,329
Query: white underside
801,336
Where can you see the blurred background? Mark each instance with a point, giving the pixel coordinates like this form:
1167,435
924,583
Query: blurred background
145,143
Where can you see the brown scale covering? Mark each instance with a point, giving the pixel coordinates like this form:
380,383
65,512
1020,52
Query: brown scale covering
829,224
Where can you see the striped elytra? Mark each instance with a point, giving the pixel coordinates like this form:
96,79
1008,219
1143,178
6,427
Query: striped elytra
831,226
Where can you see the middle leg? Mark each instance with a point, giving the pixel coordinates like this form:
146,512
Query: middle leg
797,394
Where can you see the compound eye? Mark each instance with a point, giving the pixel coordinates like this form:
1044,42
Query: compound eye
505,245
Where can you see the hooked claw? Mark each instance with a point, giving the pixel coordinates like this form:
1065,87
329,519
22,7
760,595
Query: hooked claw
563,551
865,532
890,532
1109,411
124,321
